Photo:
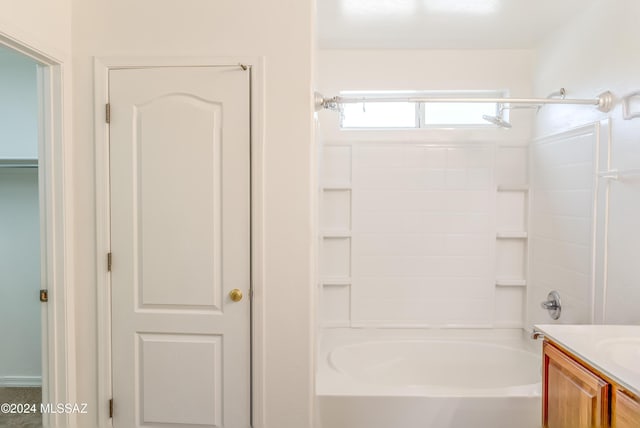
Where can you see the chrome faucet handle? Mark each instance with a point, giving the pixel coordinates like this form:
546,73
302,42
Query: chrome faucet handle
553,305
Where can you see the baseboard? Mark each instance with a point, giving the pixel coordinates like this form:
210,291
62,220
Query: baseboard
20,381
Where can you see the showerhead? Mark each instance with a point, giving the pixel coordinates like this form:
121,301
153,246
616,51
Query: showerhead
497,120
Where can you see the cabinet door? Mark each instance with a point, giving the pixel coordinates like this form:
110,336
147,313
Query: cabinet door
573,397
625,410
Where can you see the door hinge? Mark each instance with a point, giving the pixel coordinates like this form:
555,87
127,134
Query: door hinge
107,110
44,295
109,262
111,408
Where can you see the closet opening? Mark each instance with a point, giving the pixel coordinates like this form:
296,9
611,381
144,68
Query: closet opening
35,310
21,315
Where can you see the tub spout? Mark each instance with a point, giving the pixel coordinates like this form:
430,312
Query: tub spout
537,335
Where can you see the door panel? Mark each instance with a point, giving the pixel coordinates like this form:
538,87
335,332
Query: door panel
626,410
187,393
179,165
573,397
175,216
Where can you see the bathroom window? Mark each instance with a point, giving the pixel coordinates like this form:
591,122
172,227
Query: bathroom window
409,115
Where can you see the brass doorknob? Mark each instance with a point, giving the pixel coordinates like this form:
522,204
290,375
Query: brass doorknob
235,295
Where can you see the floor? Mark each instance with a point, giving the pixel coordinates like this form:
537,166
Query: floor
24,397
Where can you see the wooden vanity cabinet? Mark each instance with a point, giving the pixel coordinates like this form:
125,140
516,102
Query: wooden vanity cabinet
575,395
625,410
572,396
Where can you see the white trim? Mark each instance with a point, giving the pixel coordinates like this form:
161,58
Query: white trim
103,292
58,338
18,41
601,223
20,381
101,97
528,298
258,372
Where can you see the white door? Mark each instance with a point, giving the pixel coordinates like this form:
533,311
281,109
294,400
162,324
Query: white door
179,165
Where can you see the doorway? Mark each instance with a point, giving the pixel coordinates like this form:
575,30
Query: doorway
34,238
21,362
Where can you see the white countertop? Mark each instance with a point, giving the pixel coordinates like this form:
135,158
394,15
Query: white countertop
611,349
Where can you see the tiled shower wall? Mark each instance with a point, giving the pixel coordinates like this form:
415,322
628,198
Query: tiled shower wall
424,227
568,209
423,235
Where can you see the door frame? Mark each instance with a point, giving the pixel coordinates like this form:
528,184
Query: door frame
102,66
56,205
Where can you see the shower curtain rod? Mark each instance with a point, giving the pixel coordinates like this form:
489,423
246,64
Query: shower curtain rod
604,102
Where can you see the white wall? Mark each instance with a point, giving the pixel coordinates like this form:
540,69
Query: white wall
20,359
593,53
46,24
281,32
18,106
376,248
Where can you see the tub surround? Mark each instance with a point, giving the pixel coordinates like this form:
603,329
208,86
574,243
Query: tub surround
609,349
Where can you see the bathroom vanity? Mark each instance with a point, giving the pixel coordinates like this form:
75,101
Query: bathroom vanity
591,376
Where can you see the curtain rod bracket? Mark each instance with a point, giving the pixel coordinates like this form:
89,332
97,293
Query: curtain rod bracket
318,101
322,103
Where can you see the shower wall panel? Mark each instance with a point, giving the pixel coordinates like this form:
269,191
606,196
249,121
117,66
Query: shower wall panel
411,229
423,235
563,190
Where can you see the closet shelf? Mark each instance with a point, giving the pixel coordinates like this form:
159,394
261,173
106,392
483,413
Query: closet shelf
512,235
18,163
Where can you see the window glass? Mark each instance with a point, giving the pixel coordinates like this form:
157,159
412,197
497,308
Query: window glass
395,115
379,115
458,113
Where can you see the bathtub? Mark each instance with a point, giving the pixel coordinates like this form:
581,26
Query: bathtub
437,378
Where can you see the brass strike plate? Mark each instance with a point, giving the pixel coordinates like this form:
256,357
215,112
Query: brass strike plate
44,295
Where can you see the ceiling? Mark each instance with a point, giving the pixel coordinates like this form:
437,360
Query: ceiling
441,24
